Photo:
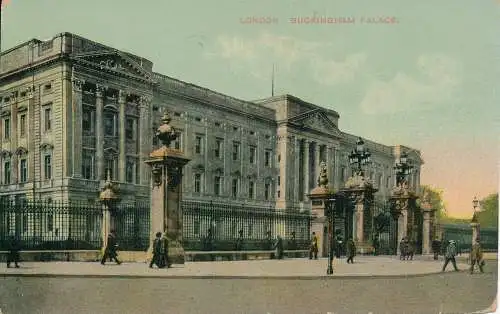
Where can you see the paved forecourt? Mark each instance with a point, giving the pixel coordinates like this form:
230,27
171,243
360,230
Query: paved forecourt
364,266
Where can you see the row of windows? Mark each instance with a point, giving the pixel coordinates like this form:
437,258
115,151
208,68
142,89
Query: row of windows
22,169
235,152
235,187
23,120
110,122
132,169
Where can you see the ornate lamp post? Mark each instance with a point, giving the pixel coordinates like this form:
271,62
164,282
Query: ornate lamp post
330,205
474,222
403,169
359,157
402,197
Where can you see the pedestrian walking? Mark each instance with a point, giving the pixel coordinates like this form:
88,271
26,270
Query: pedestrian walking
376,245
351,251
338,251
156,260
279,248
14,247
436,248
451,252
476,257
111,249
165,261
313,249
402,249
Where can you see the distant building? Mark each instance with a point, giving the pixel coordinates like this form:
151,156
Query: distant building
73,110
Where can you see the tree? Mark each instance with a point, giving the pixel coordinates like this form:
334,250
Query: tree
436,200
488,216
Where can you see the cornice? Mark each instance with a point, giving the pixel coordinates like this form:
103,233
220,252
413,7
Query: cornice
215,105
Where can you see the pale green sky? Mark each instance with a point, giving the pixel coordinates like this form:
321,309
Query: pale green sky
428,81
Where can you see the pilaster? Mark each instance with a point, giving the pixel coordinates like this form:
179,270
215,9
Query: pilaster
316,167
296,176
122,98
306,167
77,126
145,137
100,89
426,230
13,140
359,212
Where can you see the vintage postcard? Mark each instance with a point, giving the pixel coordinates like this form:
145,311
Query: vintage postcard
260,157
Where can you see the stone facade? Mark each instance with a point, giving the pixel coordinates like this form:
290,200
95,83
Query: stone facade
72,110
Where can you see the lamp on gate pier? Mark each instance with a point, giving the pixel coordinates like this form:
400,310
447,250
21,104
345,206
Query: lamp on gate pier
359,156
403,168
331,232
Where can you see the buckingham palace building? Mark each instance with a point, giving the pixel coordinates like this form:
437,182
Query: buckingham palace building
73,111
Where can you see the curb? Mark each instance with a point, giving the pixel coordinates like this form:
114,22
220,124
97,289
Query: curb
226,277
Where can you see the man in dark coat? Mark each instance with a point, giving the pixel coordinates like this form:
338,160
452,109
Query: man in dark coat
111,248
157,252
376,245
313,249
350,251
436,248
279,248
338,247
14,247
165,261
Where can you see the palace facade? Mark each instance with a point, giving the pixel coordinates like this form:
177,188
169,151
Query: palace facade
73,111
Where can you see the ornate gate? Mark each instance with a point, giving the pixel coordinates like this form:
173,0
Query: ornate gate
385,228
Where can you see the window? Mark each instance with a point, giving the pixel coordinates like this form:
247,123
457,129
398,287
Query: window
219,147
267,158
236,150
47,87
22,125
267,191
388,182
110,128
47,166
234,187
177,143
197,183
6,172
88,120
6,128
279,194
47,116
253,154
217,185
23,170
198,144
279,158
129,129
279,180
112,167
88,165
130,170
198,119
251,189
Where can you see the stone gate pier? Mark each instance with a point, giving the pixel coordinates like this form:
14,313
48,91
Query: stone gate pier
166,196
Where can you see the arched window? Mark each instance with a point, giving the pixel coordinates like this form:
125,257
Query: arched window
110,121
111,157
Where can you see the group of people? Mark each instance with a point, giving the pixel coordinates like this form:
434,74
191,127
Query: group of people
335,249
160,251
406,249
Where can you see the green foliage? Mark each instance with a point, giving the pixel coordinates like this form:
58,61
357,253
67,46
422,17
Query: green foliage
436,200
488,217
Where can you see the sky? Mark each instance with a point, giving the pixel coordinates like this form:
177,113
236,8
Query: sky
426,78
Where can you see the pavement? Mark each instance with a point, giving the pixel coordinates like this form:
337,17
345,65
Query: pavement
364,266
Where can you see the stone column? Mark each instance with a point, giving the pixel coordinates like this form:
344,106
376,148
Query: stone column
13,140
330,165
403,223
122,98
316,167
77,126
359,212
106,226
99,131
145,137
307,188
296,192
426,232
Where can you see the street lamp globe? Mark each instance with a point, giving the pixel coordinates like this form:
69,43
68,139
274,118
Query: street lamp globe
359,145
403,158
475,203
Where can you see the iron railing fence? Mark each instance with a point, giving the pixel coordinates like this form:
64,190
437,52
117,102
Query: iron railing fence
227,227
38,225
132,226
